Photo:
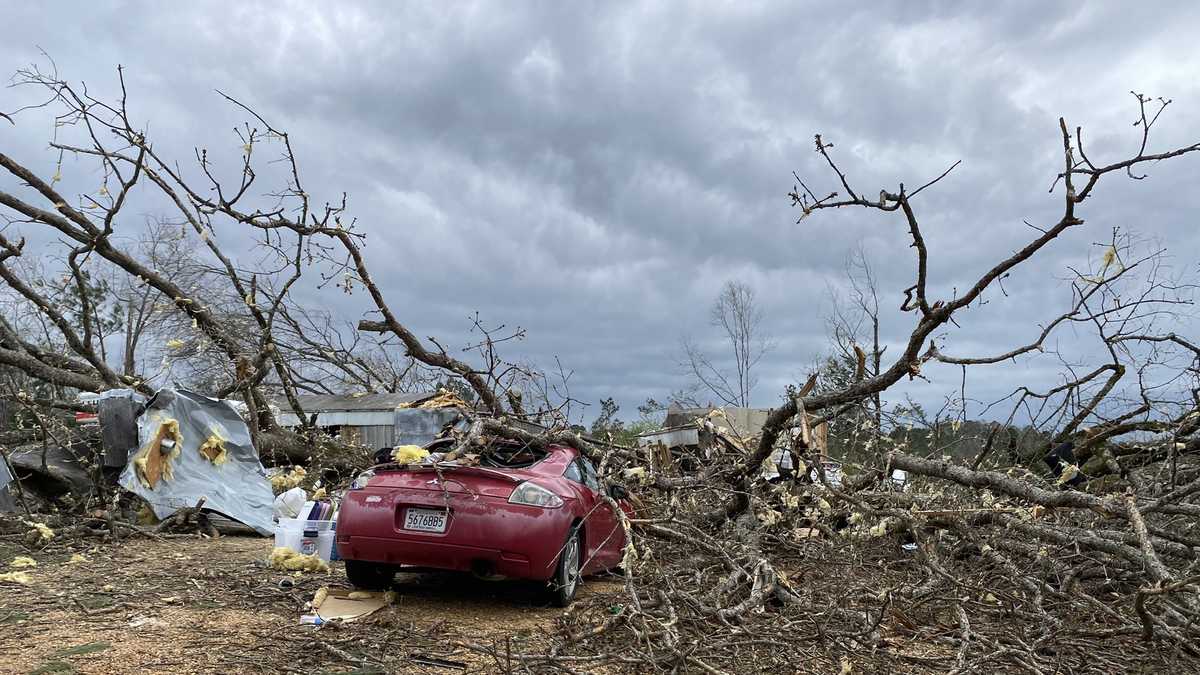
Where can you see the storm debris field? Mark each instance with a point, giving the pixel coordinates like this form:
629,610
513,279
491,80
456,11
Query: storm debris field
189,605
1055,530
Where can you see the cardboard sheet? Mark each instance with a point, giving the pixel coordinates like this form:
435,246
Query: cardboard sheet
337,604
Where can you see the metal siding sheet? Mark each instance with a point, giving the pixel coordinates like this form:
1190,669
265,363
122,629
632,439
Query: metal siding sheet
237,488
672,438
418,426
319,402
375,437
342,419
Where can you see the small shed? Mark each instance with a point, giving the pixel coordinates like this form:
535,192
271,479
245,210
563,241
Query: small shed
368,419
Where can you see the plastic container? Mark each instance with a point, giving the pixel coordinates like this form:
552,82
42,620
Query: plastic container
318,543
297,524
307,537
333,554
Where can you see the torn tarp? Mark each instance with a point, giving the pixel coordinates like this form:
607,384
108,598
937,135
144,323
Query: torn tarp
54,472
192,446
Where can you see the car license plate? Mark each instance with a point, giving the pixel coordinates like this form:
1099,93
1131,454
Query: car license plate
425,520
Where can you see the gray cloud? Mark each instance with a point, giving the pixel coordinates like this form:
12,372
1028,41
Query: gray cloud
594,174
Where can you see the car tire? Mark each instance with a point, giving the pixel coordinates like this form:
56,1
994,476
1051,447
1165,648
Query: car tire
368,575
567,573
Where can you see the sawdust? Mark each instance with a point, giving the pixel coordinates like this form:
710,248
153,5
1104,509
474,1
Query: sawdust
16,577
22,561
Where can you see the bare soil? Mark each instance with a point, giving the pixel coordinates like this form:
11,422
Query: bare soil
192,605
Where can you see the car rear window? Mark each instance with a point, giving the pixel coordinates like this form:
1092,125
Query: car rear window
502,455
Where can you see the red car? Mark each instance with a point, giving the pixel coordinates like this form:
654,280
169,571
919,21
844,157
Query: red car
520,513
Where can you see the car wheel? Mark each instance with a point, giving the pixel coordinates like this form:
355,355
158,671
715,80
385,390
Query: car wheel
567,572
369,575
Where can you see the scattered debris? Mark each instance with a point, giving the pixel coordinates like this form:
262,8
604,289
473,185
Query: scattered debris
289,503
443,399
16,577
191,519
145,515
346,605
54,473
40,534
77,559
282,481
22,561
436,662
147,622
293,561
409,454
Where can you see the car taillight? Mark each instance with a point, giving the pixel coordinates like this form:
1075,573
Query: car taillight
532,494
360,481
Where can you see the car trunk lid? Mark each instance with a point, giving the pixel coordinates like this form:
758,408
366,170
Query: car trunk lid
474,480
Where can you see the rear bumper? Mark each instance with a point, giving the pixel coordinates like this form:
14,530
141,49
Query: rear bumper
439,555
483,534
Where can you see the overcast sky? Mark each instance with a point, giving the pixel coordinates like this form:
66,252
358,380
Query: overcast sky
594,172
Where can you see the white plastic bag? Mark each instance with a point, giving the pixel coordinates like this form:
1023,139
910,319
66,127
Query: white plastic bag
288,504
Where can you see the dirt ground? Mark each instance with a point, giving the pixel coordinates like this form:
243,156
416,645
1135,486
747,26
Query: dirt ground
190,605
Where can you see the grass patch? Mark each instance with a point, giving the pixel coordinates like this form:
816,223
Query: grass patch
15,616
89,648
96,602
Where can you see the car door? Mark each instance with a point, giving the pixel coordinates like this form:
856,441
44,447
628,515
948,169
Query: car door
603,527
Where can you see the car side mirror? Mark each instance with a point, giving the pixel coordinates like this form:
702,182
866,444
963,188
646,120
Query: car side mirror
617,491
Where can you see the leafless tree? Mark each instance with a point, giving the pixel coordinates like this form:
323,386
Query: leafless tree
737,314
853,324
238,317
